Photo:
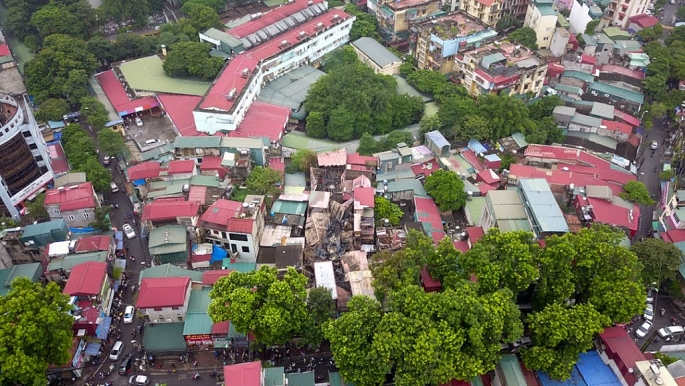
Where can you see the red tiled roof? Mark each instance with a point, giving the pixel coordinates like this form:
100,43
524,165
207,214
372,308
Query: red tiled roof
180,109
211,163
332,158
58,160
644,20
240,225
167,210
617,126
363,160
93,243
426,168
117,95
4,50
560,153
210,277
427,212
634,140
485,188
473,160
144,170
637,74
263,120
674,236
438,236
461,246
198,194
244,374
605,212
162,292
588,59
221,328
73,197
622,349
560,177
608,175
276,163
555,69
86,279
365,196
181,166
269,18
221,211
475,234
627,118
231,76
489,176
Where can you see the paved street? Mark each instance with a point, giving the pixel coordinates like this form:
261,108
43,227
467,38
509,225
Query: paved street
669,13
646,163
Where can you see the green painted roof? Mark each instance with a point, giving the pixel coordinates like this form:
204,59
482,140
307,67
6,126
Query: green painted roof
274,376
164,337
605,88
578,75
475,207
224,37
147,74
301,379
197,319
209,181
243,267
168,239
168,270
32,271
199,301
511,370
70,261
615,33
297,141
193,142
568,89
42,228
335,379
561,20
520,139
547,10
289,207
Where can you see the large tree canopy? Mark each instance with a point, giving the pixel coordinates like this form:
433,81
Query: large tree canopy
192,59
35,332
661,260
351,100
447,190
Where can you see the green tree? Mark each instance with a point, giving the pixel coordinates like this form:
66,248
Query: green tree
361,359
449,90
264,181
135,46
660,260
62,61
321,308
405,110
591,27
340,57
316,125
52,109
506,115
386,209
121,10
636,191
428,124
666,175
19,13
111,142
365,24
55,19
398,136
202,17
559,335
102,222
258,302
340,125
37,333
447,190
427,81
304,159
100,176
544,107
651,34
503,260
526,37
192,59
217,5
474,127
105,50
406,69
95,112
367,145
36,208
453,111
507,160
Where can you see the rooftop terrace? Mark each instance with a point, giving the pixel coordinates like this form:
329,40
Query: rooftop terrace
455,25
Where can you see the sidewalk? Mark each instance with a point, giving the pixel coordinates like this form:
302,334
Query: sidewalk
205,362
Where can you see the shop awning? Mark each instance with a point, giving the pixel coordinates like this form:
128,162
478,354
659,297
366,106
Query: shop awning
92,349
103,328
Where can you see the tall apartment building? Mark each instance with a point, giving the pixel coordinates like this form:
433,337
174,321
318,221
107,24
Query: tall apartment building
542,18
501,67
24,159
487,11
396,17
275,43
618,12
435,42
513,12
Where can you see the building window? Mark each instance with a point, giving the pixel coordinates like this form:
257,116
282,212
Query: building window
158,309
545,38
237,237
175,308
246,249
56,211
180,318
86,215
70,217
234,248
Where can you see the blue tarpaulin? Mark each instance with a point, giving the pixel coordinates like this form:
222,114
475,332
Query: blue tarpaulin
139,182
56,124
103,328
92,349
82,230
119,237
218,254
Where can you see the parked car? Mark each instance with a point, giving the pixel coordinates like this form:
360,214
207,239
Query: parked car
125,365
113,185
107,160
128,315
671,331
139,122
139,380
116,350
649,312
642,331
128,230
654,145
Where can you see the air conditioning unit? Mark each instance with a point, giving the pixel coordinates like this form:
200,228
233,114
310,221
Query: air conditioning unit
593,93
606,95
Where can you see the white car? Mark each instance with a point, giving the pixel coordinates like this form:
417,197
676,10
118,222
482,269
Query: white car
129,314
116,350
649,313
670,331
642,331
128,230
139,122
654,145
139,380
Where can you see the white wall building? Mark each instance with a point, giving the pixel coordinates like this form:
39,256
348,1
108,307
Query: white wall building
164,299
579,17
542,18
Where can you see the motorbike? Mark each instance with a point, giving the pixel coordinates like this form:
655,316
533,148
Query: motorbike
663,311
196,376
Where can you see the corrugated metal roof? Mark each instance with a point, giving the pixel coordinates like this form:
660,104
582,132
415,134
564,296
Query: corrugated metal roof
511,370
289,207
604,88
376,51
543,205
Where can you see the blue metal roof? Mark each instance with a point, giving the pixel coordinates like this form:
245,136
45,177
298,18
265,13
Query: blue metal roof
594,371
437,138
103,328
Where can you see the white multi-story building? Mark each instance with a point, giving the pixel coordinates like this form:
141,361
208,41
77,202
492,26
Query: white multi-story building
25,162
542,18
275,43
164,299
619,12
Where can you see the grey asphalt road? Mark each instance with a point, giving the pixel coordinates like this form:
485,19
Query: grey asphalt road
669,13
